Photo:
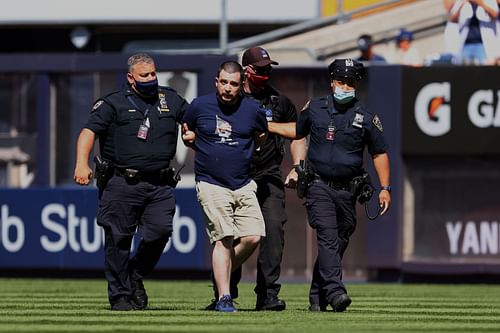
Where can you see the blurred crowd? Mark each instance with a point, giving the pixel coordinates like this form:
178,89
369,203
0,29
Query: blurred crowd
471,37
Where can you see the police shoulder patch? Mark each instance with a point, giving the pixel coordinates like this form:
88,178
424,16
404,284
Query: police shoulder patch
305,106
97,104
378,123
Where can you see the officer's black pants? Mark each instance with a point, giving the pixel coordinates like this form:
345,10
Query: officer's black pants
332,214
123,210
271,196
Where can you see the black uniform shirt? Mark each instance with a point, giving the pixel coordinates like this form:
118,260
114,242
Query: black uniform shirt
116,119
267,158
353,130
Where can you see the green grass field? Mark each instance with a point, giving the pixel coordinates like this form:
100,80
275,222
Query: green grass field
44,305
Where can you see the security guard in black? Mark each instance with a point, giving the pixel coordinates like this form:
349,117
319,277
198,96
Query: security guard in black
266,172
137,129
271,195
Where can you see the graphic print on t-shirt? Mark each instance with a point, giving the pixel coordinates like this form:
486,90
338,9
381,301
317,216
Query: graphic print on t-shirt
224,130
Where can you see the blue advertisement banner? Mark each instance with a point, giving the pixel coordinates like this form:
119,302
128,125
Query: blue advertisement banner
56,228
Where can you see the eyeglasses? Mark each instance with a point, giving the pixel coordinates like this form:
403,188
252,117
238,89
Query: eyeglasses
262,70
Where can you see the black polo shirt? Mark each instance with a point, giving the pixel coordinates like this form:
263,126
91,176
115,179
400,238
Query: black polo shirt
268,157
340,156
117,117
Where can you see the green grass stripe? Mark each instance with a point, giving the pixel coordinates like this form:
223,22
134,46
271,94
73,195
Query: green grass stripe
64,305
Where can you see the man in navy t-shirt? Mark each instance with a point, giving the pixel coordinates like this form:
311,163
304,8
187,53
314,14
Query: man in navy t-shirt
226,125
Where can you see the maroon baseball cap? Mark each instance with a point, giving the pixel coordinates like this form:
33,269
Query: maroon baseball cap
258,57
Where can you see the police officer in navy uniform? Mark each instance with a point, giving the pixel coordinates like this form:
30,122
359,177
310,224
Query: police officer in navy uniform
137,129
339,128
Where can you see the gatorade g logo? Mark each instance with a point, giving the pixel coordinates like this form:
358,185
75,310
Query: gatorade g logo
481,108
432,114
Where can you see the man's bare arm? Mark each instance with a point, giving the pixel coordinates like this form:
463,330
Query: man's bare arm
84,145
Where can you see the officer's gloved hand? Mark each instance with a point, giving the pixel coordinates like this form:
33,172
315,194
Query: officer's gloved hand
291,179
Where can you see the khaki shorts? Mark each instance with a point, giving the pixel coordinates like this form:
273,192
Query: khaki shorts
230,213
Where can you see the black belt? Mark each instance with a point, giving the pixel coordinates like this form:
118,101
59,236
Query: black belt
133,175
335,183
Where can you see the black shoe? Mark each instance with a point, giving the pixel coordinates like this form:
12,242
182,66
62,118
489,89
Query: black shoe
211,306
139,296
270,303
123,303
317,308
341,302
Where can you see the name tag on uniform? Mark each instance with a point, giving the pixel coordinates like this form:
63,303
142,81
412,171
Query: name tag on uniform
330,133
142,133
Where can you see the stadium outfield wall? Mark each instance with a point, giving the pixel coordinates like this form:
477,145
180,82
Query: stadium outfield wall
441,124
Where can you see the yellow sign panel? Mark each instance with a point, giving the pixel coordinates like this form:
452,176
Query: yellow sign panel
329,7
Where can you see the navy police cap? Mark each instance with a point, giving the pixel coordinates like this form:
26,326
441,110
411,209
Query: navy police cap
346,69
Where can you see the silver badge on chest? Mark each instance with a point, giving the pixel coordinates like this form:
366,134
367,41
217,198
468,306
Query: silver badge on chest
358,120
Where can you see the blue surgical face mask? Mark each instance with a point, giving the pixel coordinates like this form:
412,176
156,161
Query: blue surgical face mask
343,97
149,88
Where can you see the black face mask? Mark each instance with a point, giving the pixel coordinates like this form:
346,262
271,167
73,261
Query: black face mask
149,88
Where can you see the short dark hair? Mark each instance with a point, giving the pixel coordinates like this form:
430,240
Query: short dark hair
231,67
137,58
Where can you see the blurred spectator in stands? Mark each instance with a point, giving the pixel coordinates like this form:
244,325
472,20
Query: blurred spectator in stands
451,33
478,30
365,46
405,52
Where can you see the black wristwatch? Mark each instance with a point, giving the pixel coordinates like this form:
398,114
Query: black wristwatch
387,188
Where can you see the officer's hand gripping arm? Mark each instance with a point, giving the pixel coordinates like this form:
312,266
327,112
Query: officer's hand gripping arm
286,130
